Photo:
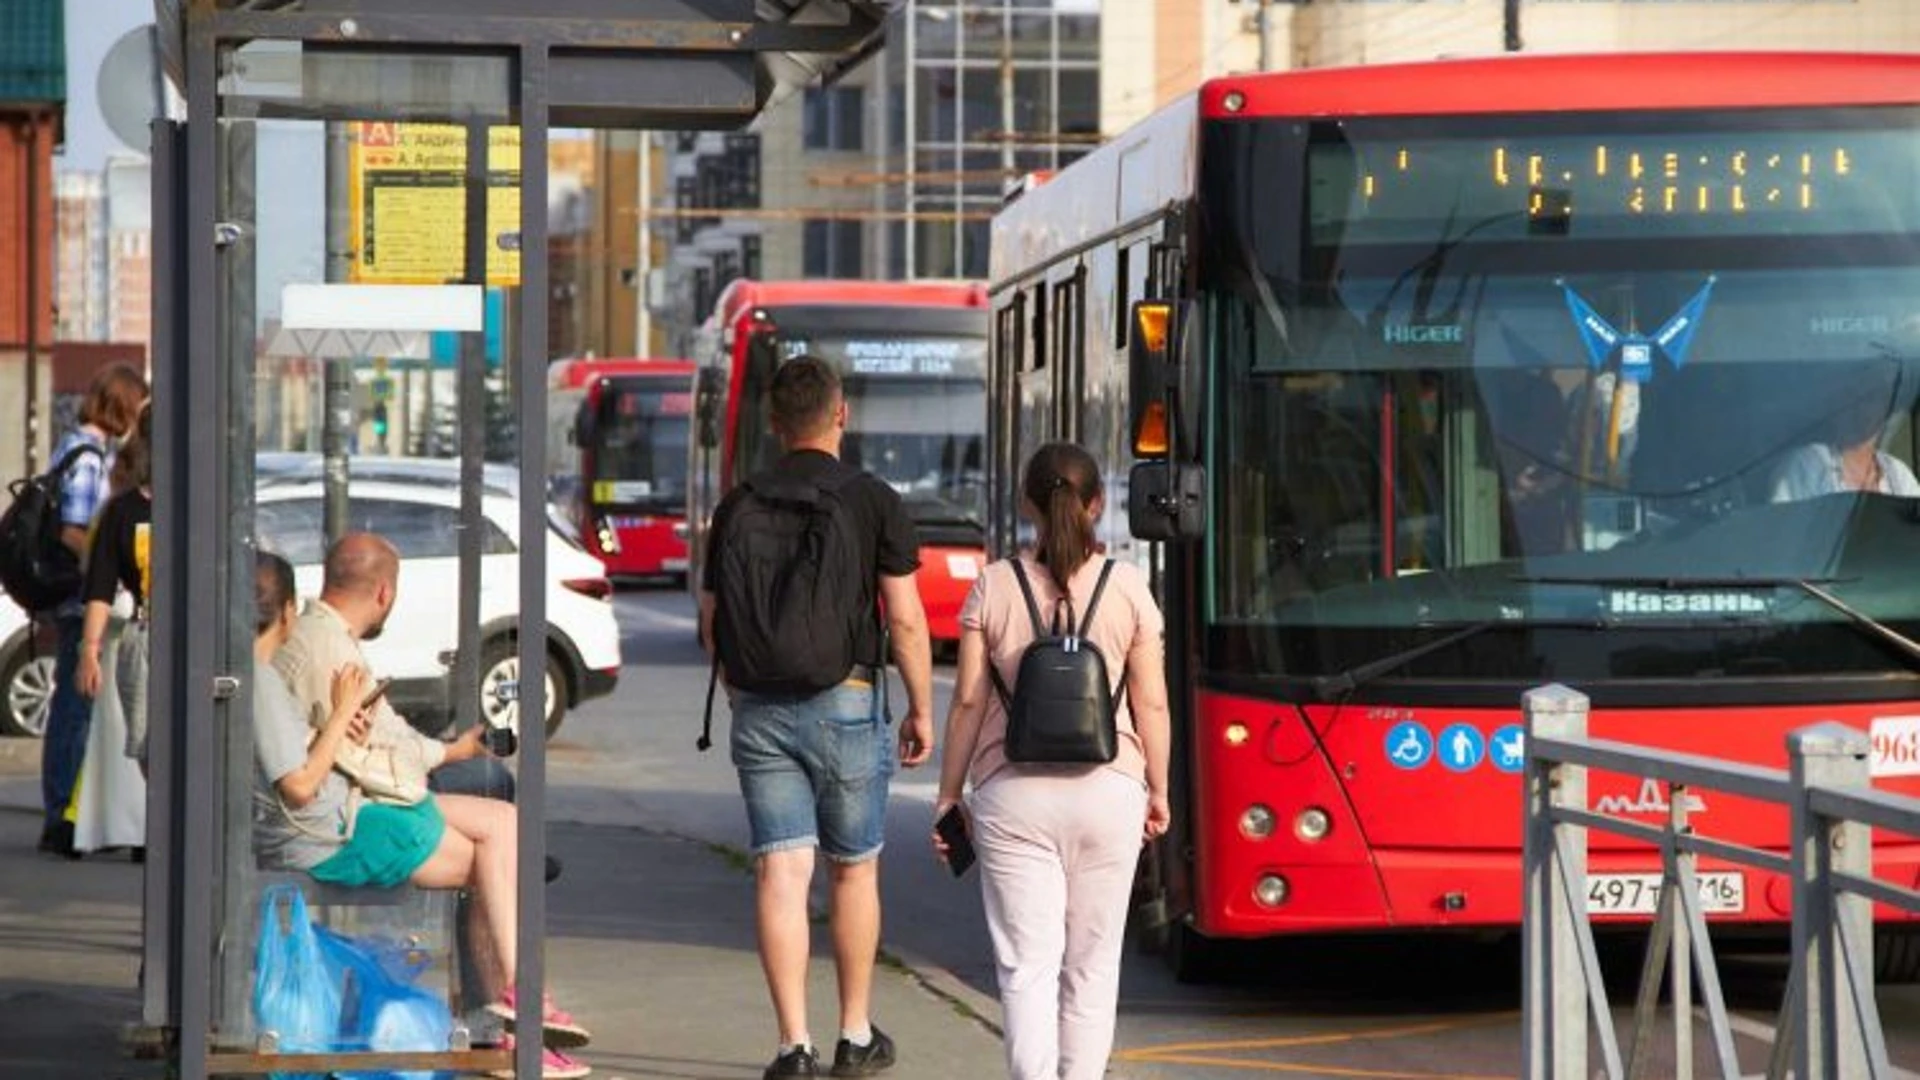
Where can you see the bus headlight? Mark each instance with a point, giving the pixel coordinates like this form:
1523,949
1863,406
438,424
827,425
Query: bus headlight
609,539
1237,734
1270,891
1257,822
1312,825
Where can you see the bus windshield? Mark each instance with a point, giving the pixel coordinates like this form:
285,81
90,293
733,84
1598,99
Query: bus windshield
640,456
1643,373
917,419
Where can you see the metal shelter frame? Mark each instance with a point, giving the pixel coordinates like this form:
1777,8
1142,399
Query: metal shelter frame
599,63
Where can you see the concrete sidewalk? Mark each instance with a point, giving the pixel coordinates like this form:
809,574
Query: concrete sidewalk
650,943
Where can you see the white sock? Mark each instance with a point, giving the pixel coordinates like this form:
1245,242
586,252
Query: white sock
862,1038
788,1048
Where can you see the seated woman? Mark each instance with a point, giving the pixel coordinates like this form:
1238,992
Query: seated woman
1850,458
309,816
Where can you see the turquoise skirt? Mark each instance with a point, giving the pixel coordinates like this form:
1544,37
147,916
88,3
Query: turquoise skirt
389,843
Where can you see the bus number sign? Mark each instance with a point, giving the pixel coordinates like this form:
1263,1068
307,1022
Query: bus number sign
1896,746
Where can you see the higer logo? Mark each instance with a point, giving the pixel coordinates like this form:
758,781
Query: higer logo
1424,334
1648,800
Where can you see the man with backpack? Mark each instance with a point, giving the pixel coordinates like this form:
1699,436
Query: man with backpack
77,486
800,559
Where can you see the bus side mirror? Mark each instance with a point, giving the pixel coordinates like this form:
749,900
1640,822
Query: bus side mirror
1166,501
585,425
709,389
1153,359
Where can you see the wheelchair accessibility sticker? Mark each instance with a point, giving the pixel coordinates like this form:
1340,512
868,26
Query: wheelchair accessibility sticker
1409,745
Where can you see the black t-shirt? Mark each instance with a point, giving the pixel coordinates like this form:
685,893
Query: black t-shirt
112,561
889,544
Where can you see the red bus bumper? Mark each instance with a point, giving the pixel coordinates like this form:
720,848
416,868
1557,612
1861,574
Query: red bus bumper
647,546
946,576
1420,890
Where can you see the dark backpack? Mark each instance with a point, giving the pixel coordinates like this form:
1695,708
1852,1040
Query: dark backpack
787,586
37,569
1062,710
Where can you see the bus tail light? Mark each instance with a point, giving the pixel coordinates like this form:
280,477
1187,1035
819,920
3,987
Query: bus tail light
1271,891
1257,822
596,588
1312,825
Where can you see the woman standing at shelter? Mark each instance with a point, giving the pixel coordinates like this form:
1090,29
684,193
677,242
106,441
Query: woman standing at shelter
1058,843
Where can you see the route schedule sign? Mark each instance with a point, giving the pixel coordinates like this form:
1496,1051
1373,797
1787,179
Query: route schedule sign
407,185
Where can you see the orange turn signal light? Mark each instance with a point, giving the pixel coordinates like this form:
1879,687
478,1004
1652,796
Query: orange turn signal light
1151,325
1150,439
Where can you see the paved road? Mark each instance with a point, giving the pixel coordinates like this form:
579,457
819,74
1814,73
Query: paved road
1420,1010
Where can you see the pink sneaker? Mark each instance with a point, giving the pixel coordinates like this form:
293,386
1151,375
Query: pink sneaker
554,1065
557,1028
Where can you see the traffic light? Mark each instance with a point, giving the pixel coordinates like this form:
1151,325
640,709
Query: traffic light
379,419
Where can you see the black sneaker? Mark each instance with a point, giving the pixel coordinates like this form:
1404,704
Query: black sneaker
799,1061
875,1057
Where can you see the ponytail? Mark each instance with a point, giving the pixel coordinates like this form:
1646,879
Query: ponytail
1062,484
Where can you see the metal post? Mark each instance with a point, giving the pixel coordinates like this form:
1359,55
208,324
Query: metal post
911,190
1263,26
643,256
470,410
31,127
1681,955
1554,1008
336,411
1827,1034
1511,25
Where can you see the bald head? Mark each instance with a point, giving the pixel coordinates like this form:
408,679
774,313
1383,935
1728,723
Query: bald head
359,566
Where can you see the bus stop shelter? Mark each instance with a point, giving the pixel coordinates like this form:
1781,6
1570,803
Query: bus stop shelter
347,172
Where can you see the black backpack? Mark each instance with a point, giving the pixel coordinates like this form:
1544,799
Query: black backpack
787,588
37,569
1062,710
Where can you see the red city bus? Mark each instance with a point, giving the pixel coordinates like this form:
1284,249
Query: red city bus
617,459
912,358
1445,381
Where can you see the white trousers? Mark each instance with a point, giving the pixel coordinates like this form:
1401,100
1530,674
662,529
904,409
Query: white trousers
1057,859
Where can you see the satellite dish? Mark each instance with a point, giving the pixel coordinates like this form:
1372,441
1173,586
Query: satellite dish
129,88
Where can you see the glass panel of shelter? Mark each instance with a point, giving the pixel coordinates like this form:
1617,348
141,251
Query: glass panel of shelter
364,313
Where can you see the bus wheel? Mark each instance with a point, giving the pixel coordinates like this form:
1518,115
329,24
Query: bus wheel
1191,956
1896,954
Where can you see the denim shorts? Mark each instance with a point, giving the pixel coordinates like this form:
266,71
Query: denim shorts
814,771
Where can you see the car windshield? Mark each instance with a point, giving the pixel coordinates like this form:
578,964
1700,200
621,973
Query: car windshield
1496,379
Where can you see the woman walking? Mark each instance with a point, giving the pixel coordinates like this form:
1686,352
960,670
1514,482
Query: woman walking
1058,843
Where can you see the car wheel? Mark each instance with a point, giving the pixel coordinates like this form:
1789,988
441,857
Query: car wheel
28,684
500,666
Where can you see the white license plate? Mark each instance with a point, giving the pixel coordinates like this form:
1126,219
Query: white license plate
674,566
1639,894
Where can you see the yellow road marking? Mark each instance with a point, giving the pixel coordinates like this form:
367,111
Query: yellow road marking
1315,1070
1204,1053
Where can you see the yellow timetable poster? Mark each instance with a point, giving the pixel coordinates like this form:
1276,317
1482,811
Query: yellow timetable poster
409,203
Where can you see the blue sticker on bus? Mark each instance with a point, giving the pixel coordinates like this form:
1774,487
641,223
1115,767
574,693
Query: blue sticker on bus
1462,747
1409,745
1509,750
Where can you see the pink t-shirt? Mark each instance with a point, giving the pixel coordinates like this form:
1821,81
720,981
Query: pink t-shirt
1126,628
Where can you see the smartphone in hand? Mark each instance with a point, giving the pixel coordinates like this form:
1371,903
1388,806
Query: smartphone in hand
952,828
379,691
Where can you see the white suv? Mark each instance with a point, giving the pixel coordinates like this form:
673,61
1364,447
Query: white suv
26,673
417,508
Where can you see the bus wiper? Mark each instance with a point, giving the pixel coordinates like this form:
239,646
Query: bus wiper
1863,620
1326,687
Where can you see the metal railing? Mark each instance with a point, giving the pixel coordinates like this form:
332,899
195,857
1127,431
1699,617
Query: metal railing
1829,1027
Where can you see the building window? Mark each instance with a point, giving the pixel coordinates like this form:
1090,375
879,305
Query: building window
831,249
834,118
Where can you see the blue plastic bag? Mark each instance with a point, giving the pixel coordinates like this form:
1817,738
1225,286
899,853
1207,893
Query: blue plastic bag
381,1010
296,995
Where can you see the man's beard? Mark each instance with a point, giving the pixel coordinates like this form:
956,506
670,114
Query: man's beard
373,632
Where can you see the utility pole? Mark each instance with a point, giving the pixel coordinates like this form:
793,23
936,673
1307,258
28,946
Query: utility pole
1263,25
30,134
1512,25
643,257
336,409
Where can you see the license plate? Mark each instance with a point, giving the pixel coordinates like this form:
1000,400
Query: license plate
674,566
1639,894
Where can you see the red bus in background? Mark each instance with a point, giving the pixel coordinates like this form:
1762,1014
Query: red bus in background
1444,381
912,359
617,458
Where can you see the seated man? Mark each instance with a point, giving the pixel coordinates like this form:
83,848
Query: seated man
308,815
1849,458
